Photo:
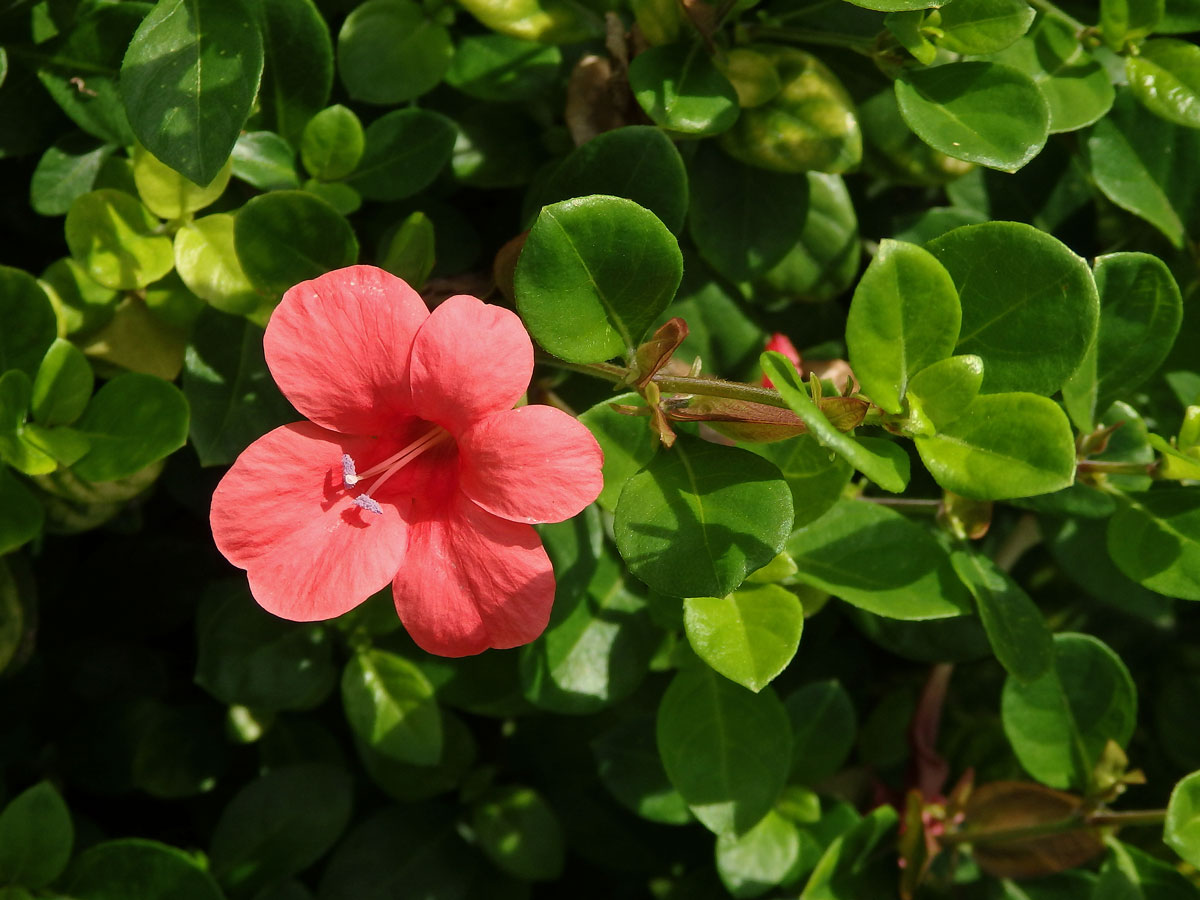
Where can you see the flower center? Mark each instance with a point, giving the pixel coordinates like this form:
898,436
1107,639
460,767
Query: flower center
384,470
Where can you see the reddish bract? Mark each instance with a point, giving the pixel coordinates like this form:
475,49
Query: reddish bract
414,468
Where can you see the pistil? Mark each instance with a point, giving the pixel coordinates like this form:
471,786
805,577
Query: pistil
388,467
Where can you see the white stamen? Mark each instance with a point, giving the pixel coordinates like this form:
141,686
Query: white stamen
388,467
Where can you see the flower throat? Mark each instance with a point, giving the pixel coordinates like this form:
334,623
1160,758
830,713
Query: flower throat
388,467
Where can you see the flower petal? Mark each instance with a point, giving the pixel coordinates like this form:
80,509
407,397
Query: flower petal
338,348
472,581
468,360
532,464
282,514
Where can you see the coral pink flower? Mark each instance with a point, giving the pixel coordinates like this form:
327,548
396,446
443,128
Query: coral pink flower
414,468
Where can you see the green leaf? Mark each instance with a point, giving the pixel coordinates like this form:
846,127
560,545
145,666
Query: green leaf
754,862
36,836
905,26
207,262
626,441
1130,874
899,5
876,559
1032,332
410,253
16,448
1165,77
983,26
946,389
63,385
332,143
594,275
390,52
825,260
1181,830
298,69
1059,724
637,162
21,515
904,316
548,21
247,657
888,467
404,152
982,112
29,322
749,636
134,420
117,240
286,237
135,869
67,170
495,148
408,783
1140,314
841,870
629,766
265,160
744,220
824,726
390,706
278,825
815,476
726,750
188,81
518,831
1014,625
1154,538
680,89
701,517
1003,446
1122,21
170,195
503,69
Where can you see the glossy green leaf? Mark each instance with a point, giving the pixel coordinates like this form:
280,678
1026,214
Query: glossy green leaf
278,825
117,240
170,195
404,152
945,390
726,750
1140,313
390,705
16,448
29,322
518,831
876,559
63,385
1122,21
1031,331
548,21
1165,77
188,81
904,316
67,170
501,68
905,26
390,52
410,251
1059,724
286,237
744,220
1014,625
1154,538
626,441
141,869
983,112
332,143
840,871
134,420
1003,446
21,515
824,726
752,863
886,467
1131,874
629,766
701,517
815,476
407,782
36,836
1181,830
594,275
298,71
748,636
265,160
207,262
983,26
637,162
680,89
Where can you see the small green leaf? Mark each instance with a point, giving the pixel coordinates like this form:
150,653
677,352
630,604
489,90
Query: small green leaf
67,170
134,420
29,322
298,71
1122,21
749,636
518,831
824,726
1014,625
265,160
188,80
701,517
754,862
63,385
285,237
904,316
594,275
982,112
332,143
21,515
1165,77
390,52
726,750
905,27
138,868
16,448
502,69
548,21
1059,724
390,706
1181,830
876,559
886,467
629,766
207,262
170,195
680,89
983,26
815,476
946,389
117,240
1154,538
409,253
36,836
405,150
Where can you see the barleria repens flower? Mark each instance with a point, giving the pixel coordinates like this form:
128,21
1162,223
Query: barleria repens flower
414,468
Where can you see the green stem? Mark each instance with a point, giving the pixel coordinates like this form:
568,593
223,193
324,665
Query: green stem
1074,823
1049,9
